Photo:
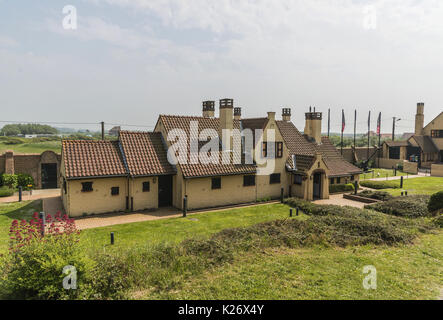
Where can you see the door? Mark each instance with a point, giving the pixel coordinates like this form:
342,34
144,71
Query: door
49,175
165,191
317,186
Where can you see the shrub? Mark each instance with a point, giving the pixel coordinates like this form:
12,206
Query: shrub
335,188
436,201
377,195
35,264
24,180
6,191
380,184
438,221
305,206
9,180
409,207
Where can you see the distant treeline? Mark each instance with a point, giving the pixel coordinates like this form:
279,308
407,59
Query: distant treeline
360,141
28,128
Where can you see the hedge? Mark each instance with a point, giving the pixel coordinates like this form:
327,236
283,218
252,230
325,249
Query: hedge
6,191
436,201
377,195
408,207
334,188
380,184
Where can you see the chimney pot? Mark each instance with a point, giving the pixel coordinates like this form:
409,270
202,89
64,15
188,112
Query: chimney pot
313,125
286,114
237,113
226,103
208,109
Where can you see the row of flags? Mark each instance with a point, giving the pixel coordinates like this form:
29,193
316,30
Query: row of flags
343,122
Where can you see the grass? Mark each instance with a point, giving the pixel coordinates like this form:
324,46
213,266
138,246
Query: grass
426,185
13,211
175,230
403,272
32,147
381,173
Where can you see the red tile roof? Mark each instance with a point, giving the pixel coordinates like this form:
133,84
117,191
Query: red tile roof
145,153
200,169
87,158
298,144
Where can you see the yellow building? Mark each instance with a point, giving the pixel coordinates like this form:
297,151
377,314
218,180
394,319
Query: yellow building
424,148
135,173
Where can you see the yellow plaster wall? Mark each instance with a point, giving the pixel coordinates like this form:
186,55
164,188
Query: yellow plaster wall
144,200
99,200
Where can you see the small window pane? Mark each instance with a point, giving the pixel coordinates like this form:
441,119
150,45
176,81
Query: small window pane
248,181
146,186
86,186
216,183
274,178
115,191
298,179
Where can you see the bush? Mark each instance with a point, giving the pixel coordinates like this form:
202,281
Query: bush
305,206
377,195
34,267
380,184
6,191
335,188
409,207
436,201
9,180
24,180
438,221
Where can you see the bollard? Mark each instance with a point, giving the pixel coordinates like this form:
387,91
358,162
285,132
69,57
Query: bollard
281,194
296,212
401,182
402,193
290,213
185,206
20,189
406,193
112,238
355,187
43,217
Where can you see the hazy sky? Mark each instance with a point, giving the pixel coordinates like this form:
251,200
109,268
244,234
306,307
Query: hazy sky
130,60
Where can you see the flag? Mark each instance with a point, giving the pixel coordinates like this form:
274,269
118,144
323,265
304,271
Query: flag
379,123
343,123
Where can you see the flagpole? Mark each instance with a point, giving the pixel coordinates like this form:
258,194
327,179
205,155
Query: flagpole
379,137
342,128
355,127
369,133
329,121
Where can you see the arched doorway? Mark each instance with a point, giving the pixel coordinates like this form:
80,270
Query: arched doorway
317,184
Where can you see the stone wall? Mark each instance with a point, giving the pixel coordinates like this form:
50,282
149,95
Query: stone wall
30,163
360,153
437,170
410,167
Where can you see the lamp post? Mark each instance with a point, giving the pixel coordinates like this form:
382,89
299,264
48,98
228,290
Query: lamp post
394,120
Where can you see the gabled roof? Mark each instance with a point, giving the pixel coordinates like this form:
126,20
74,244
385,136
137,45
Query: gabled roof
145,153
299,145
425,143
87,158
391,143
430,122
199,169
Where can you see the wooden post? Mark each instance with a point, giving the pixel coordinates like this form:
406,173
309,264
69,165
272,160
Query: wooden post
185,206
20,193
290,213
112,238
281,195
401,182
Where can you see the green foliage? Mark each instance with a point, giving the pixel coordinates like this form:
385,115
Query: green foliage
335,188
377,195
436,201
29,128
438,221
9,180
24,180
5,191
393,184
409,207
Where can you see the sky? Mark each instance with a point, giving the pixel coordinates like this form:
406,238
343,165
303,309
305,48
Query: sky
127,61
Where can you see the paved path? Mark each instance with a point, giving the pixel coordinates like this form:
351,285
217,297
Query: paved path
419,175
36,194
337,199
111,219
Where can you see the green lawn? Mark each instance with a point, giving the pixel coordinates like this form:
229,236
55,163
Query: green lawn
426,185
15,211
403,272
381,173
32,147
175,230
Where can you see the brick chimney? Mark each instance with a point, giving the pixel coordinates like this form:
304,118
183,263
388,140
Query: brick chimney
313,125
420,119
286,114
208,109
237,113
226,116
9,162
271,116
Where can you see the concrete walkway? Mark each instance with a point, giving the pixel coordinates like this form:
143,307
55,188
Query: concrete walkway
419,175
337,199
36,195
